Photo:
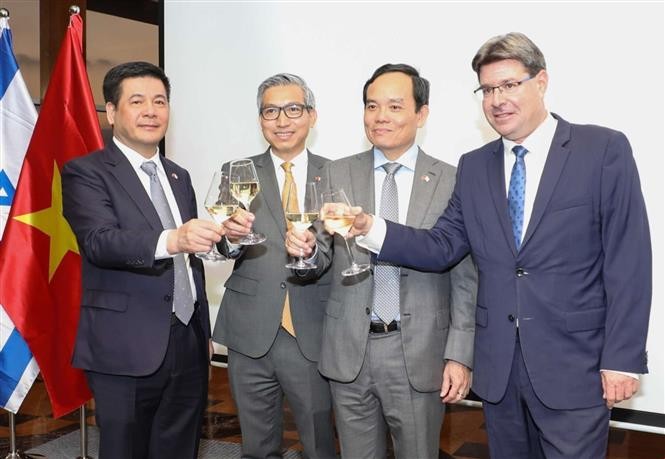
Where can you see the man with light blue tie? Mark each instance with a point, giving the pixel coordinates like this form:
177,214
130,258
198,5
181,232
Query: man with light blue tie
553,215
397,342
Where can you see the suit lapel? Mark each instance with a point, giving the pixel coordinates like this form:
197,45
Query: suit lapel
270,190
122,170
179,190
315,165
361,171
497,183
425,179
556,160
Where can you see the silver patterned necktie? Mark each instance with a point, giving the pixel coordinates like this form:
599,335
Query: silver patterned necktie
386,275
516,194
183,301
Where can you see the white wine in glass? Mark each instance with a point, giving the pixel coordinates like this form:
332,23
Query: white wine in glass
220,204
302,217
244,187
337,219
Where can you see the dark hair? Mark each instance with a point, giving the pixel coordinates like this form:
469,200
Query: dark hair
513,45
420,84
117,74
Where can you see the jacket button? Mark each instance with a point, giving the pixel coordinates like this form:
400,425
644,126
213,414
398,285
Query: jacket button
167,297
511,317
520,272
367,311
282,284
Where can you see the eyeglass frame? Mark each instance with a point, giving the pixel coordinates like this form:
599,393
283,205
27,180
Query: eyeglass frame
281,109
501,87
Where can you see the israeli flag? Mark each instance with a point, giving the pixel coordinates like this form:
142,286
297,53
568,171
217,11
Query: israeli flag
18,368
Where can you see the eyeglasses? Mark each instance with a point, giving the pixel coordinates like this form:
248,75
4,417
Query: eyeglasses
509,87
291,111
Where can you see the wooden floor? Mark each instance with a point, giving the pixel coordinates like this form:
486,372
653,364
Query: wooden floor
462,436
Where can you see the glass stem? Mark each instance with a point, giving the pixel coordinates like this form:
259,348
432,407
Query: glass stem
353,261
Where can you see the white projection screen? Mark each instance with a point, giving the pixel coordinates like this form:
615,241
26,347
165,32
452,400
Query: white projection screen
605,62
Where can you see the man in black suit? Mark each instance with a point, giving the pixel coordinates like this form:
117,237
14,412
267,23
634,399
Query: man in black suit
144,333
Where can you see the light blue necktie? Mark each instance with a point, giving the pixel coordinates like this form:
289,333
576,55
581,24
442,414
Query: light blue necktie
183,300
516,193
386,275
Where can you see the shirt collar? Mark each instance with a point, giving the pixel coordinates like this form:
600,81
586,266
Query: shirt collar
407,160
135,158
299,162
538,141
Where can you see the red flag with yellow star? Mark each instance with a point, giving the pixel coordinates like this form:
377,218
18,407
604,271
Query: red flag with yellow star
40,272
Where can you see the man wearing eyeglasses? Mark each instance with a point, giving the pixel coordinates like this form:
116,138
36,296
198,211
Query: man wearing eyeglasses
553,215
270,318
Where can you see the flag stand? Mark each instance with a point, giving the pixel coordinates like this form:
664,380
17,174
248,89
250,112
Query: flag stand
13,452
84,434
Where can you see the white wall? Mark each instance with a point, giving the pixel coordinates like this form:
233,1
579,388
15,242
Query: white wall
605,63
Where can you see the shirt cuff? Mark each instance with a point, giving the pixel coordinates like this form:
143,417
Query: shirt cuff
373,240
161,251
625,373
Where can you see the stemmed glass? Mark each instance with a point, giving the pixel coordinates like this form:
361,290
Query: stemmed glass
303,217
220,204
336,220
244,187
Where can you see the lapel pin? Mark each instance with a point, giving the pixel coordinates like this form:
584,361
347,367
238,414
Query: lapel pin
174,175
317,178
424,178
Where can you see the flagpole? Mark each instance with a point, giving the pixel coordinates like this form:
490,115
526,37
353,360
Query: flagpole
13,452
84,433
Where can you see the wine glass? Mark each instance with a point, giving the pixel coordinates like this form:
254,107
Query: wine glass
220,204
302,218
337,219
245,187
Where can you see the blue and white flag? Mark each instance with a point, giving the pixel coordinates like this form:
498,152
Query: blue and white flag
18,368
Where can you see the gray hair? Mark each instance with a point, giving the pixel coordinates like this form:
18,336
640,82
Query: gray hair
285,79
513,45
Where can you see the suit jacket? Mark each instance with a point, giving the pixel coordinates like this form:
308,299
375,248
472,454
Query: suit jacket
437,309
251,311
126,301
581,283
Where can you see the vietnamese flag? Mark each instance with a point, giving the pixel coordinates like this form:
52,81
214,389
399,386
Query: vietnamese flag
40,265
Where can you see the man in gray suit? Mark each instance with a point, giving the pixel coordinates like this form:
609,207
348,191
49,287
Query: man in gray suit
270,318
396,343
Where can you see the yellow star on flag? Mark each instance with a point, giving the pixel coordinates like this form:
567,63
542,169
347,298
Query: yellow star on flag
51,222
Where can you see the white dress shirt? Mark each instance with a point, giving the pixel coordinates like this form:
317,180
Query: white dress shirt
298,170
135,159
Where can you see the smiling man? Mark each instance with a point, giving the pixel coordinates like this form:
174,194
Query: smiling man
270,319
553,214
396,343
143,335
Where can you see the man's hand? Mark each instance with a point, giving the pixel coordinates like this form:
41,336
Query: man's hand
362,223
299,244
239,225
194,236
456,382
618,387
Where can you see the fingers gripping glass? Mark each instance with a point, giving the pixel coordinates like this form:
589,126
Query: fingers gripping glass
337,218
271,112
509,87
245,187
303,218
220,204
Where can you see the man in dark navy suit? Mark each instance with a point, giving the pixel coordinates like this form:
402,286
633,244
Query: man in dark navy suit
553,215
144,332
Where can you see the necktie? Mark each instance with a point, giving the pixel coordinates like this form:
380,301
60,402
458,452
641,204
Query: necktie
386,275
516,193
183,301
289,206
